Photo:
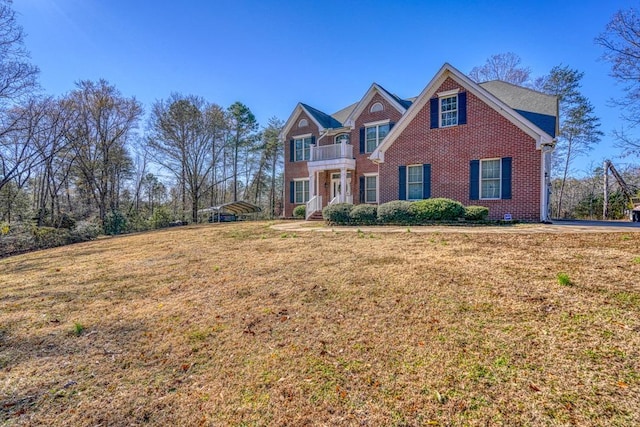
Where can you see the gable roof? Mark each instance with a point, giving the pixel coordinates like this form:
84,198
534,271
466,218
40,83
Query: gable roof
447,70
322,120
394,100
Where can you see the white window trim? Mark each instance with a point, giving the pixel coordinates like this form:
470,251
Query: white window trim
440,98
378,123
377,126
295,202
377,109
306,135
301,125
368,175
303,137
407,181
335,139
499,180
448,93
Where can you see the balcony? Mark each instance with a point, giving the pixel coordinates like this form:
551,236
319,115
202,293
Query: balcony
332,156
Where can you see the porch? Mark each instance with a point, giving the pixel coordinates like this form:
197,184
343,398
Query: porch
330,177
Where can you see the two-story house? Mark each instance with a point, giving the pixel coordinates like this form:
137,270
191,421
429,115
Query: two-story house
483,144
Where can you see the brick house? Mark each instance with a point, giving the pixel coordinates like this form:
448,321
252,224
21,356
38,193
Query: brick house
483,144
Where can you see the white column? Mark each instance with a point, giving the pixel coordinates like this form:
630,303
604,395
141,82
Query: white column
312,185
343,184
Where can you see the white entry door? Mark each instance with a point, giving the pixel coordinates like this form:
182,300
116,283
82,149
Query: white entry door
336,189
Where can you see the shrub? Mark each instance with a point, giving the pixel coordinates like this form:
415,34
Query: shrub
300,211
114,223
338,214
85,231
396,212
161,217
438,209
476,213
66,221
364,215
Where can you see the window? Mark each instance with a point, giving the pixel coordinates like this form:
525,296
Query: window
343,137
301,190
414,182
302,149
449,111
371,189
376,107
303,123
490,174
375,135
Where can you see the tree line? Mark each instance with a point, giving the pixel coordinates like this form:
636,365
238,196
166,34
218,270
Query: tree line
92,154
84,154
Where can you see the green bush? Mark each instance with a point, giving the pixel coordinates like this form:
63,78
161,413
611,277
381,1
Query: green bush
161,217
476,213
438,209
396,212
114,223
338,214
300,211
364,215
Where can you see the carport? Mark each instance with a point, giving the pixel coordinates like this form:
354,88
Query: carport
230,211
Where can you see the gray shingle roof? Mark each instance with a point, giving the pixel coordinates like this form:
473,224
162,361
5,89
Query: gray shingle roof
325,120
537,107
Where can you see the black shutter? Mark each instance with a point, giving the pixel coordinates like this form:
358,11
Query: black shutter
391,125
362,189
292,150
426,181
434,112
313,139
361,140
474,180
506,178
292,191
462,108
402,183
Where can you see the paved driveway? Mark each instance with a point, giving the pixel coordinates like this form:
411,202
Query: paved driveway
558,226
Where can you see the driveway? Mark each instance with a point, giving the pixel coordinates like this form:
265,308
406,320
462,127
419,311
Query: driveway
558,226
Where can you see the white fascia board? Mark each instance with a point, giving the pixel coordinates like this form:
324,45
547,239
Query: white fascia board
368,96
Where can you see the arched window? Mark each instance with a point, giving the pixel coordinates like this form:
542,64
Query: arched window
376,107
342,137
303,123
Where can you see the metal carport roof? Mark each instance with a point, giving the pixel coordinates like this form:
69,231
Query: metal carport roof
239,207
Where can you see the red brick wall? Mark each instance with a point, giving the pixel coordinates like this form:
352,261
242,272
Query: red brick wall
449,150
363,164
295,169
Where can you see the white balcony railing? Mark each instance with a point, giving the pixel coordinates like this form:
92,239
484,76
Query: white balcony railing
330,152
313,205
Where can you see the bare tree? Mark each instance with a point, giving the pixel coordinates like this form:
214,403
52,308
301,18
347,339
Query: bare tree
104,123
621,43
18,77
181,141
502,66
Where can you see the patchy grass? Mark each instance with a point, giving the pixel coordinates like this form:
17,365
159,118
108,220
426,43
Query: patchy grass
234,324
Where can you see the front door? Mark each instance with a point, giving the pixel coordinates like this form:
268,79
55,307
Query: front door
336,190
335,186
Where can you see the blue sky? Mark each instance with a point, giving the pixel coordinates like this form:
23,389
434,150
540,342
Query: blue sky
272,54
